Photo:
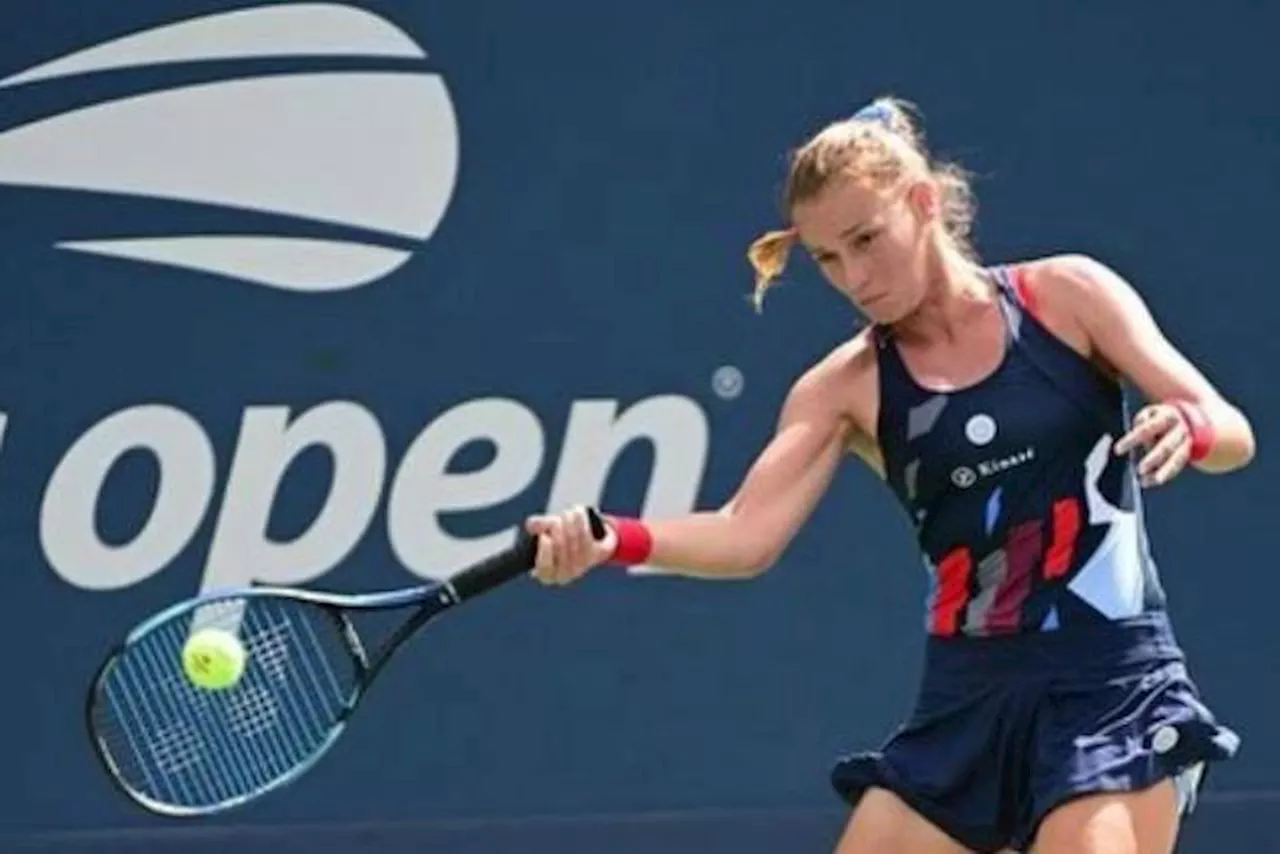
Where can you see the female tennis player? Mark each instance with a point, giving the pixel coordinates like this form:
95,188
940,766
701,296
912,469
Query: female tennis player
1056,713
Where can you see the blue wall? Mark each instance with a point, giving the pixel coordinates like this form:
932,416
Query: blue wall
547,213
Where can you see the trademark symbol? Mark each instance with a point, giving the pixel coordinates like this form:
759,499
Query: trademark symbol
727,382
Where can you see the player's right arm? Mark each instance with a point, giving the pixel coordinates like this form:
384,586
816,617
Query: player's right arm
752,529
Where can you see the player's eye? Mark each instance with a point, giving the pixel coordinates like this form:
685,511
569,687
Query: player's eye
863,239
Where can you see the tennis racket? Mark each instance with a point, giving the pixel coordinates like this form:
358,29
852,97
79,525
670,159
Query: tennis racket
180,750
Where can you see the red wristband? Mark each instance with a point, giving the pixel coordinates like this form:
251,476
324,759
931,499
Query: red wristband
634,540
1199,425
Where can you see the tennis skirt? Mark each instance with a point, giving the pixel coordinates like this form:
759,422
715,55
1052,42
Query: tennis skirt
1005,729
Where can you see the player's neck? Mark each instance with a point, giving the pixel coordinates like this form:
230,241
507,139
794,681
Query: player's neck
957,293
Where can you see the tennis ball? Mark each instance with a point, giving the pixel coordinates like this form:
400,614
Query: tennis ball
213,659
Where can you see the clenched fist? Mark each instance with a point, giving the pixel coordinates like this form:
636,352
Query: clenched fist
566,546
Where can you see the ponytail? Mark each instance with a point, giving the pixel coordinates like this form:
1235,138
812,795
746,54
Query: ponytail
768,256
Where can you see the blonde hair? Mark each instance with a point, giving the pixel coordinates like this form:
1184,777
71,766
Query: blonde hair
879,145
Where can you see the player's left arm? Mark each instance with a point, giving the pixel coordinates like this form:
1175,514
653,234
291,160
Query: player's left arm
1187,420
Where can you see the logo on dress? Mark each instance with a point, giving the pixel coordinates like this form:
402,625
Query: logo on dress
965,476
1165,739
980,429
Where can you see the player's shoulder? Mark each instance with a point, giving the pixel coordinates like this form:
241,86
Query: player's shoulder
838,392
1064,279
848,362
841,379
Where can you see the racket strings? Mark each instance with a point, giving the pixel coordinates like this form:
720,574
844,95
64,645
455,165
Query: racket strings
175,744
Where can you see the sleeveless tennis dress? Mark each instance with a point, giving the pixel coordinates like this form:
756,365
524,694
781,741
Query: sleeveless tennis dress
1051,668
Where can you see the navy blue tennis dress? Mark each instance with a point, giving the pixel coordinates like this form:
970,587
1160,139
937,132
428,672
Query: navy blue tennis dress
1051,669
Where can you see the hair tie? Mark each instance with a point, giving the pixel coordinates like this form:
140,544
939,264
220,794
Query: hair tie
875,112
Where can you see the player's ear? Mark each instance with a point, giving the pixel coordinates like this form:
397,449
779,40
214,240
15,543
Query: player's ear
924,197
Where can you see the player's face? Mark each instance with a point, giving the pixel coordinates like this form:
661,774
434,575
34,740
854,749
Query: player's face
871,245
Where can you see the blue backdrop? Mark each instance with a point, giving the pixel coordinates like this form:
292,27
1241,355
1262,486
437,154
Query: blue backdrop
335,294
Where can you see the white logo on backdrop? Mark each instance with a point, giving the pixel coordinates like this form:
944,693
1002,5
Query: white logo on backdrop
374,149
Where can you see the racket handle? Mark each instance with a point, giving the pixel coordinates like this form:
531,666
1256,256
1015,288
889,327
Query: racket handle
596,521
496,569
509,564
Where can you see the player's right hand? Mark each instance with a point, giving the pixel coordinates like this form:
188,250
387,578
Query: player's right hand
566,548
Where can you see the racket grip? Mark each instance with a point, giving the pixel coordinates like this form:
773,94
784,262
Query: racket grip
511,563
596,521
496,569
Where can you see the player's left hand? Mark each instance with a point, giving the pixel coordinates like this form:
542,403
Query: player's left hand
1161,430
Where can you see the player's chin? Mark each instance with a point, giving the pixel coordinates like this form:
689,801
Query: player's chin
884,311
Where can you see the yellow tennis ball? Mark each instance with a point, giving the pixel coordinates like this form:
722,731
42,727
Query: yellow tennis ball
213,659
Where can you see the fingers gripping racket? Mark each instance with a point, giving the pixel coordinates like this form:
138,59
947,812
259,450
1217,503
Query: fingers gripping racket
181,750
